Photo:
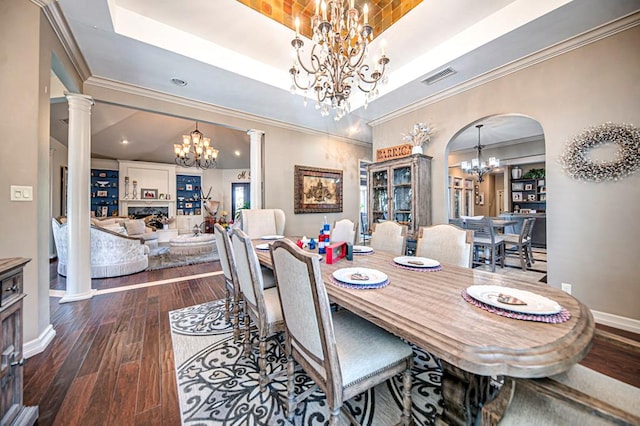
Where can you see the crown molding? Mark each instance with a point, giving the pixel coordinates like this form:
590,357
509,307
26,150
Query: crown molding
592,36
131,89
54,15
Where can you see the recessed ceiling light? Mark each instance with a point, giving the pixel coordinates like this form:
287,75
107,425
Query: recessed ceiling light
237,153
178,82
124,141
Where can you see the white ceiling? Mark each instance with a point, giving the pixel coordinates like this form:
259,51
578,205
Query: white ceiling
233,57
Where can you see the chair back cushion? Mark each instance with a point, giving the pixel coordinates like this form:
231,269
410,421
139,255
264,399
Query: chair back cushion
389,236
223,244
248,269
344,231
305,304
446,243
259,222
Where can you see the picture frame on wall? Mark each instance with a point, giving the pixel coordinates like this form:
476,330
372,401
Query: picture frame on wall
101,194
528,187
188,205
317,190
517,186
531,197
104,211
188,187
516,196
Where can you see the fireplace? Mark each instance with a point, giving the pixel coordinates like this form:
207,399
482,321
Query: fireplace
140,212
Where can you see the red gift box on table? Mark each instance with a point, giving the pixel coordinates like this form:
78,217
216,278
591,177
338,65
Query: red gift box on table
335,252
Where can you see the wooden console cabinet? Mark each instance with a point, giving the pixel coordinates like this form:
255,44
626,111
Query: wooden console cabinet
12,410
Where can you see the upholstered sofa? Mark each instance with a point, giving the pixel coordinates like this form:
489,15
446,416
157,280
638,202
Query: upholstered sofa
112,253
136,228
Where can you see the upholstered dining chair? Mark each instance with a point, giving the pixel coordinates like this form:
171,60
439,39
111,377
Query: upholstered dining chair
334,349
446,243
485,240
389,236
521,243
344,230
231,288
257,223
260,304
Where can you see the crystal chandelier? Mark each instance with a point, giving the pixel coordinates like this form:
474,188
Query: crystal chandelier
337,61
478,166
196,150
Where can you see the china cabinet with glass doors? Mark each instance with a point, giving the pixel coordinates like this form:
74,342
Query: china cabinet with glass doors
400,190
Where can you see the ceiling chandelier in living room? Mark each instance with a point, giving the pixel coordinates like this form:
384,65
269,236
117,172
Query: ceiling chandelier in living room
196,151
478,167
337,61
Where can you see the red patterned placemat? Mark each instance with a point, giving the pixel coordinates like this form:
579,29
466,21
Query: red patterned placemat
561,316
410,268
359,286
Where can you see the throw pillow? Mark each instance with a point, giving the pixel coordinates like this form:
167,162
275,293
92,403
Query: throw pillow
135,226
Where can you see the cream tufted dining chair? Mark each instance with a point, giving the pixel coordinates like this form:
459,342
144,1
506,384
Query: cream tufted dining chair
389,236
260,222
334,349
344,230
446,243
260,304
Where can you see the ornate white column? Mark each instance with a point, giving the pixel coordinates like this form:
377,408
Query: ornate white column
257,181
78,207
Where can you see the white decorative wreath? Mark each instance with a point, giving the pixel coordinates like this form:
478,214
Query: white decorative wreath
579,165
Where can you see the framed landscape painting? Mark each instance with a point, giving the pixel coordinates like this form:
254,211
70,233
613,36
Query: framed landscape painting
317,190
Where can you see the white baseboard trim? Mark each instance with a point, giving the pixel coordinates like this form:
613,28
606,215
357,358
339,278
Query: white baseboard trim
34,347
616,321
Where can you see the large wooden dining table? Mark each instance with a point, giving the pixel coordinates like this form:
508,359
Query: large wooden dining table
428,310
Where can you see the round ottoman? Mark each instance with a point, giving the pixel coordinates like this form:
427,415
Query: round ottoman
192,244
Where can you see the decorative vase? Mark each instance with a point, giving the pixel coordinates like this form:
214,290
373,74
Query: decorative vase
416,150
516,173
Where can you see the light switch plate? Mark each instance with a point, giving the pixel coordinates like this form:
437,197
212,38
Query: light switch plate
21,193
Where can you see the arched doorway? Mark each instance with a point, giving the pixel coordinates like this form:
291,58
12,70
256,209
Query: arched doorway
517,187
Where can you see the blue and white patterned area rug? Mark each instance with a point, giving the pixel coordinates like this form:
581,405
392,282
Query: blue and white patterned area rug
217,385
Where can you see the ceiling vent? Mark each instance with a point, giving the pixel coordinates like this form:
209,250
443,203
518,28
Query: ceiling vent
439,76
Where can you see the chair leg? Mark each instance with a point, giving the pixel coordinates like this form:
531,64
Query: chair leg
335,417
227,303
247,338
236,318
406,397
262,363
531,259
291,387
522,253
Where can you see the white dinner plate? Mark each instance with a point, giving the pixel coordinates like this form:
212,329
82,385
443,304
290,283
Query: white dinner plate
535,304
374,276
272,237
263,246
362,249
416,262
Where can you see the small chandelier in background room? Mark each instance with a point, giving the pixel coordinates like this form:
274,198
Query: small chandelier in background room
196,150
337,61
478,167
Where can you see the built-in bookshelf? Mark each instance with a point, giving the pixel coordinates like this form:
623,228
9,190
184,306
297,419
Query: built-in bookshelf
104,192
528,195
188,193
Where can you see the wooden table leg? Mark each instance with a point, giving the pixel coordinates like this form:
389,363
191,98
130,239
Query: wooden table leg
463,394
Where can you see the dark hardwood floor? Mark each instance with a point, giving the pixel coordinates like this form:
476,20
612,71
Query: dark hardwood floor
111,362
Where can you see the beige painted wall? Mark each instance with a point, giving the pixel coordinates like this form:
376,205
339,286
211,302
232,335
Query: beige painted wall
591,228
